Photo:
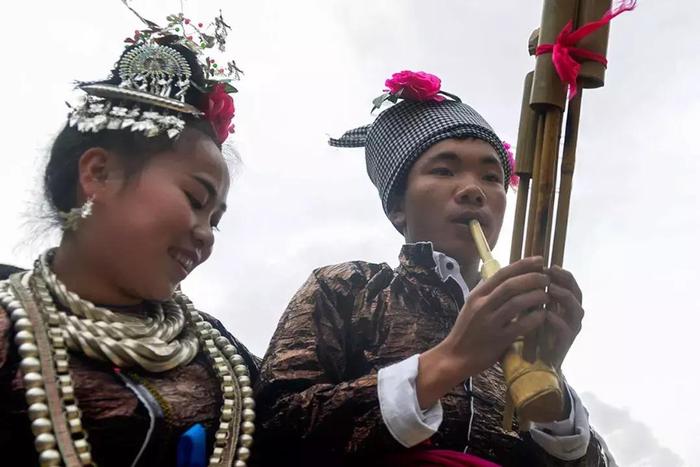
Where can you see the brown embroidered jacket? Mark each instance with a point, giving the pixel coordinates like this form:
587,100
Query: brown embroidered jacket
317,393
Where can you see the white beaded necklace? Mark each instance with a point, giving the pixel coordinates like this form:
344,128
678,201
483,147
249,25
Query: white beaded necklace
94,332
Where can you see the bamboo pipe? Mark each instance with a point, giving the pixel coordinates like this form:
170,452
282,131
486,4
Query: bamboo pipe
490,266
543,212
535,181
568,163
545,188
527,134
547,89
550,218
516,246
592,74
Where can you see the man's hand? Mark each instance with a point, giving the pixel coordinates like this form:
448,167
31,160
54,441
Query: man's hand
485,328
566,313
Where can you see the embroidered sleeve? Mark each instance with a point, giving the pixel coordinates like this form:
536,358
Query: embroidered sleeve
310,403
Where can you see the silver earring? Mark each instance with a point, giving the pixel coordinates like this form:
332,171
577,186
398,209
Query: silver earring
71,219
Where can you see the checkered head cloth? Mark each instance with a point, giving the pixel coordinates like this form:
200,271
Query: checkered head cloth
403,132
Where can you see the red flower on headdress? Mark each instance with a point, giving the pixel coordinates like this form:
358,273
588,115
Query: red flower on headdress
514,179
219,110
415,85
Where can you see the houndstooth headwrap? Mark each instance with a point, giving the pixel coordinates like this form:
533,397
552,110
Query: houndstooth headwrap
403,132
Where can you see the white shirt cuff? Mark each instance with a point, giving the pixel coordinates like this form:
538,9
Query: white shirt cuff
566,439
398,401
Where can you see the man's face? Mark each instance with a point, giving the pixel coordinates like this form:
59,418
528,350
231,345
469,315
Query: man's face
454,181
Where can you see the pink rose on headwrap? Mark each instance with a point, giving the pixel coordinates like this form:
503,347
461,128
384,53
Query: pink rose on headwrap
219,110
514,179
415,85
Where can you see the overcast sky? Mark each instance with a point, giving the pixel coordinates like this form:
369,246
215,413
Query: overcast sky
312,68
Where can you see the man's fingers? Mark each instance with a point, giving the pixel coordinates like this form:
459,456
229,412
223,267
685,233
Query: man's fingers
562,329
572,309
525,324
565,279
523,266
564,335
514,306
515,286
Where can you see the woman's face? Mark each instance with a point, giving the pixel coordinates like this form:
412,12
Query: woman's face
454,181
147,233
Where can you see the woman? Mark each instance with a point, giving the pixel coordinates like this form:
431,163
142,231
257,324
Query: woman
102,358
379,366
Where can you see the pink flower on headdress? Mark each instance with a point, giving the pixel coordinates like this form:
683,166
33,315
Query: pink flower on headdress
514,179
415,85
219,110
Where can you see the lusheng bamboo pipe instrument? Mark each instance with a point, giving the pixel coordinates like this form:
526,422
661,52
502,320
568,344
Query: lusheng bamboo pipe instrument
533,384
533,388
535,232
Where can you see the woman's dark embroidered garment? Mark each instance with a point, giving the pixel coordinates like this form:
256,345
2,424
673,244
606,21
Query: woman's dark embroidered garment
115,420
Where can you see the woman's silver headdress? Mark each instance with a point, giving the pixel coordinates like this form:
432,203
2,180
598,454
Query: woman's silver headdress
152,78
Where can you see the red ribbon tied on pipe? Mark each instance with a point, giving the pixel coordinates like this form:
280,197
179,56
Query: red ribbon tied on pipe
566,57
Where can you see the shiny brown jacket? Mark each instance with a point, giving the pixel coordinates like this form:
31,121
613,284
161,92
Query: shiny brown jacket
317,393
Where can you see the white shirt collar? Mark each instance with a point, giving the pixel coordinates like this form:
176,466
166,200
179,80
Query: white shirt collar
447,267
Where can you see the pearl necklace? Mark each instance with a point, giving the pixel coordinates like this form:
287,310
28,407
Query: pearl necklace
233,437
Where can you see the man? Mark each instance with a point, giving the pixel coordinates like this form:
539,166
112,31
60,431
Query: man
371,365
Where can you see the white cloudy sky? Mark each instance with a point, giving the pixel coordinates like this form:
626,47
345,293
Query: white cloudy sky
312,68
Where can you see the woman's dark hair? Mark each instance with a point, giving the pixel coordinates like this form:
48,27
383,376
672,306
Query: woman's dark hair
134,148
